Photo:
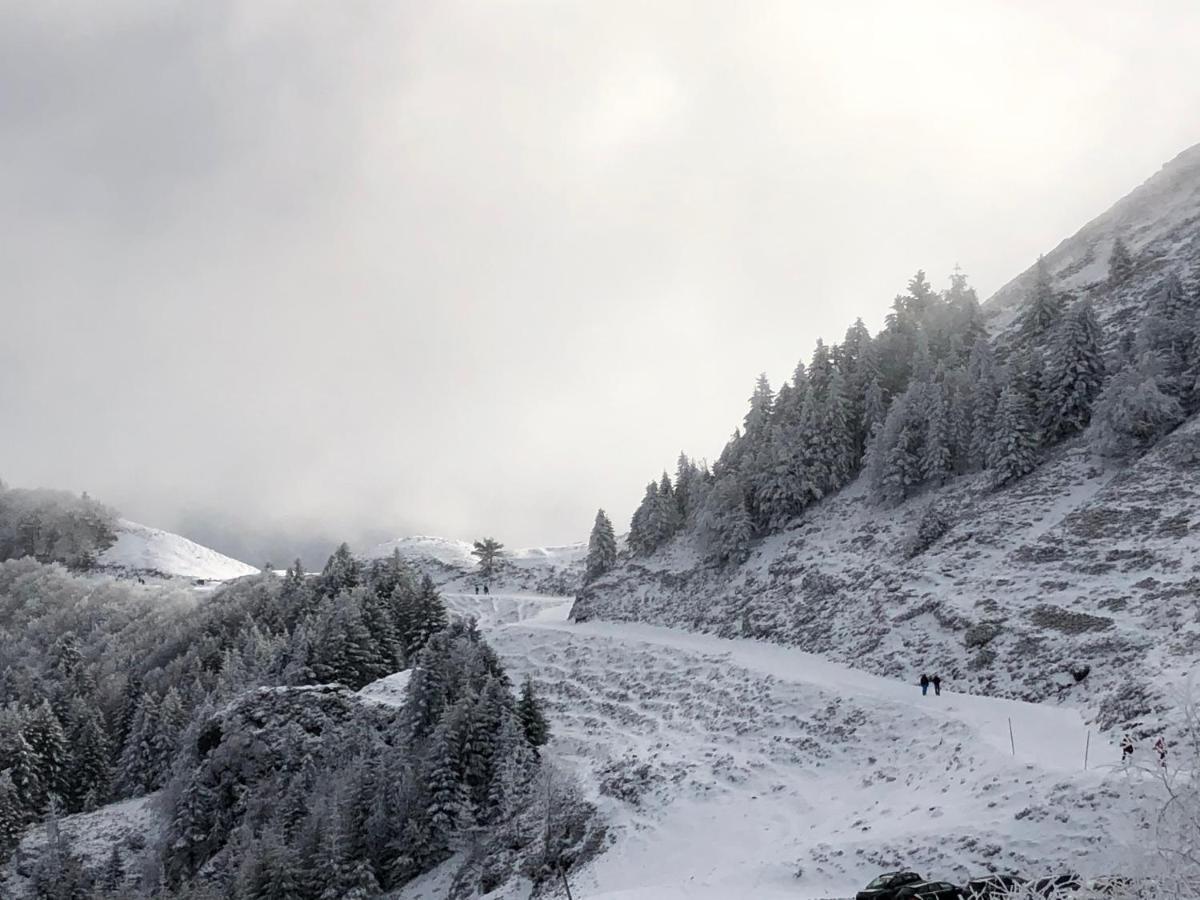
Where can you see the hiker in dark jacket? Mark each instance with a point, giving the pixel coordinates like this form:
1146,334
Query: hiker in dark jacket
924,684
1126,748
937,684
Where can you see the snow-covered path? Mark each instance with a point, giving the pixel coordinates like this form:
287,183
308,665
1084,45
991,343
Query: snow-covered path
725,766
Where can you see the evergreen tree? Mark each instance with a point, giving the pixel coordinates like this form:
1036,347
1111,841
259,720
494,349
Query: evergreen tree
45,737
139,763
686,475
937,451
1134,411
894,463
112,876
643,531
1043,307
533,719
12,815
341,573
1013,449
985,393
449,805
1120,264
489,550
874,412
602,548
1074,373
89,767
724,525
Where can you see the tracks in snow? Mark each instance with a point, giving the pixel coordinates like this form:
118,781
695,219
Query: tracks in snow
724,766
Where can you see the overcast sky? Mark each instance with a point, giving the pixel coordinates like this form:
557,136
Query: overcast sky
277,272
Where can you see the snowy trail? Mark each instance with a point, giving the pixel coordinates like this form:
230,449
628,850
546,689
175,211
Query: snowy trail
724,766
1052,738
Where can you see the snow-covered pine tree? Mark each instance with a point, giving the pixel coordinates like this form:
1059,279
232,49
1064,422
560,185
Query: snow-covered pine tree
838,433
686,476
1013,450
1043,306
874,412
937,461
44,734
138,766
1074,373
641,526
1120,263
341,573
19,760
449,805
89,767
12,815
489,551
532,716
1134,411
985,393
602,548
172,720
666,518
894,464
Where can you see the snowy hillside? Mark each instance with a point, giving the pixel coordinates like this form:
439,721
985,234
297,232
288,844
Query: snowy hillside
1077,582
1077,567
450,563
143,550
730,768
1157,221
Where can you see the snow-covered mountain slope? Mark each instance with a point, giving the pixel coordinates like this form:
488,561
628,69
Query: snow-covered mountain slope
143,550
451,564
1159,223
733,768
1078,582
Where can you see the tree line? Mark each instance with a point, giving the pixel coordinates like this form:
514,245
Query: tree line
931,397
112,690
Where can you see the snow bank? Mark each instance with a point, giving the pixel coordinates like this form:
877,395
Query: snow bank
143,549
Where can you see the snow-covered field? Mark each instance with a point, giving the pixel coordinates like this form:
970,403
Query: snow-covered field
141,549
452,565
727,767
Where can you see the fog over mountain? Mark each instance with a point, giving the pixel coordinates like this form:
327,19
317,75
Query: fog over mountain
276,273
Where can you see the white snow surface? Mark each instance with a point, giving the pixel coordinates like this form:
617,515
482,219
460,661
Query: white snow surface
725,766
140,548
389,690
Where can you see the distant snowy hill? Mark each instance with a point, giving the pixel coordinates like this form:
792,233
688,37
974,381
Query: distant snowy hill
450,563
144,550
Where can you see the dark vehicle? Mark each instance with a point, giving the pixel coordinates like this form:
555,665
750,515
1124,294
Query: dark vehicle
1057,885
930,890
992,886
885,886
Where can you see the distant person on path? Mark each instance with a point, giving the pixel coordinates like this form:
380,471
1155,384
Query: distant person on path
485,589
924,684
937,685
1126,748
476,589
1160,747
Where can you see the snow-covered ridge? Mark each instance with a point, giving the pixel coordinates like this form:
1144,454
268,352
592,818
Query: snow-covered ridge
452,565
142,549
1158,222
